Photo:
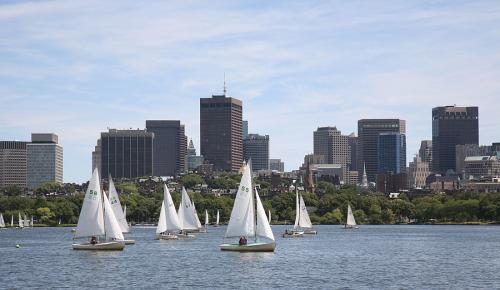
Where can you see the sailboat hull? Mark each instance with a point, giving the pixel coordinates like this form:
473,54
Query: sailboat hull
105,246
129,242
167,237
311,232
255,247
293,234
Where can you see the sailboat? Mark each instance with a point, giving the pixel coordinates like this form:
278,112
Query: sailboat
12,221
201,229
2,222
296,232
168,222
187,217
21,224
117,210
26,222
98,220
206,219
217,220
350,221
248,220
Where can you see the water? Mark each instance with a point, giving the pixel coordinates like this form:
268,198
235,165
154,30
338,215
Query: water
373,257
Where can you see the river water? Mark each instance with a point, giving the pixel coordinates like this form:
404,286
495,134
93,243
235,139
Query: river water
373,257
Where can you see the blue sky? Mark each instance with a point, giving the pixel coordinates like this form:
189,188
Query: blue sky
78,67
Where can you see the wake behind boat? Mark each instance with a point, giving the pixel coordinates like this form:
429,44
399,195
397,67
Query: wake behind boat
97,221
248,220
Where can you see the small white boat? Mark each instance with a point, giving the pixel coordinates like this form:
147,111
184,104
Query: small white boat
248,220
2,222
303,223
168,222
293,234
98,220
350,221
167,236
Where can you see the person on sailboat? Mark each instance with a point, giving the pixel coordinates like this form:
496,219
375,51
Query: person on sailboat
243,241
93,240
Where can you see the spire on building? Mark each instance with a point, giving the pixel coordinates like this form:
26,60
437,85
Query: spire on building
364,180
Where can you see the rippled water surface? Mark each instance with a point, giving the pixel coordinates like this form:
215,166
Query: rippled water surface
373,257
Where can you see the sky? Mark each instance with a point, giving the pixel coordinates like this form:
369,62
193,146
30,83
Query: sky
76,68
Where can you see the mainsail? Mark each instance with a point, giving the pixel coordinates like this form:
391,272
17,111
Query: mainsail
241,222
2,222
21,225
186,212
111,225
198,223
206,218
91,220
304,220
297,210
168,221
117,207
217,220
350,217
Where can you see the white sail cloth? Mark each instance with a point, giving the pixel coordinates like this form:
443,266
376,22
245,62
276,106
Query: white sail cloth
297,210
169,220
2,222
186,213
304,220
198,223
21,224
241,222
350,217
217,220
117,207
263,227
206,218
111,225
91,220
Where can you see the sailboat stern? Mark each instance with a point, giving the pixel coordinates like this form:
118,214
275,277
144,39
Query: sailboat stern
251,247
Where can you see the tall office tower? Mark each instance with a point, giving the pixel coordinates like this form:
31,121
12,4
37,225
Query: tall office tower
44,160
96,157
452,126
353,147
277,164
256,148
425,151
169,147
126,153
391,153
368,131
329,142
245,129
221,132
13,163
418,171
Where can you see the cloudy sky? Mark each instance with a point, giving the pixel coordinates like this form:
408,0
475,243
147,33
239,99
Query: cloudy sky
78,67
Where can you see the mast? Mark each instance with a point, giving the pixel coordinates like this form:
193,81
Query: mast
103,215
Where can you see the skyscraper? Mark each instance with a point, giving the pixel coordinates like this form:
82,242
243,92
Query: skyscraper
221,132
452,126
391,153
353,147
245,129
256,148
368,131
13,163
44,160
425,151
169,147
329,142
277,164
126,153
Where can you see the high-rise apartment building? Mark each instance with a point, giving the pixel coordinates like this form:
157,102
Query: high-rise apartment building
169,147
425,151
452,126
391,152
126,153
329,142
221,132
44,160
353,147
418,171
256,148
277,164
368,132
13,161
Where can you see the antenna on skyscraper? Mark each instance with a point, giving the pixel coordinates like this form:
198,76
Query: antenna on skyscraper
225,89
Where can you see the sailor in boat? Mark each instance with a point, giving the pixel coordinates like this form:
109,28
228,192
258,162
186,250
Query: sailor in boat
243,241
93,240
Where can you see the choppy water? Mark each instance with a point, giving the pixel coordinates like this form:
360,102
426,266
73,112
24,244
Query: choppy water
373,257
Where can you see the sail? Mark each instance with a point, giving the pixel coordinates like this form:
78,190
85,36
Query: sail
20,221
206,218
241,222
350,217
198,223
117,207
26,222
185,212
172,222
91,220
162,221
2,222
12,221
269,216
111,224
297,210
263,227
304,220
31,222
217,221
125,211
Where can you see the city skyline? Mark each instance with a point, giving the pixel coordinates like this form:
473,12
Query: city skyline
68,68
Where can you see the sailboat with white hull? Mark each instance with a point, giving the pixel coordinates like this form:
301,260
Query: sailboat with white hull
117,210
97,221
187,217
248,220
350,221
168,223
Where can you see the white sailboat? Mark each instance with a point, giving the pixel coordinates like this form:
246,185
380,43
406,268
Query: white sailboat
2,222
117,210
12,221
206,219
186,215
98,220
305,221
21,224
350,221
217,220
296,232
248,220
201,229
168,222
